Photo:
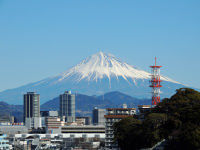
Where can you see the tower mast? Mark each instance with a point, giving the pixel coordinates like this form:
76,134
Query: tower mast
155,83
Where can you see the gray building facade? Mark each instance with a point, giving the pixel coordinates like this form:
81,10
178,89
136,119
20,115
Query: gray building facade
67,106
98,116
32,110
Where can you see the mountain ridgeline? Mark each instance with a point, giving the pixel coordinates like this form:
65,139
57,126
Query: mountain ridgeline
6,111
98,74
84,104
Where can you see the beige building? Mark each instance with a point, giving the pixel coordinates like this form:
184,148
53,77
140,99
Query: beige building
53,125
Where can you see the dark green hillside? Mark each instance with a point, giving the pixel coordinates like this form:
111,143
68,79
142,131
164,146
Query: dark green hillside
7,110
85,103
176,119
118,98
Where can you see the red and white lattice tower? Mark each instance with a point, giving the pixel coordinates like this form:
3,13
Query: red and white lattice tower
155,83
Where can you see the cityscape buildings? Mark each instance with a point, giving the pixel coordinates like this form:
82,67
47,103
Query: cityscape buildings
32,110
63,129
67,106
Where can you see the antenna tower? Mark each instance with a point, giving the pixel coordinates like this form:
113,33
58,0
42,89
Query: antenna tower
155,83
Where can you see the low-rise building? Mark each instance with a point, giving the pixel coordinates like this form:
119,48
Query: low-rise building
53,125
45,114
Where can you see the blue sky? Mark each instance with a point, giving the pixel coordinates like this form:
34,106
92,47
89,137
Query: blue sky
39,39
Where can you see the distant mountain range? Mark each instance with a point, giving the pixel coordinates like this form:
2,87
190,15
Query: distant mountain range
6,111
98,74
84,104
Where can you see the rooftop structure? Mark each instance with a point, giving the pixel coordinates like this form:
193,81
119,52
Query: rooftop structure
144,108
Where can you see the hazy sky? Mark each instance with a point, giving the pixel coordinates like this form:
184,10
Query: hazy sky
42,38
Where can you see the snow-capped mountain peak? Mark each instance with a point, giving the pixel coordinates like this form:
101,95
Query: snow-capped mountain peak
98,74
102,65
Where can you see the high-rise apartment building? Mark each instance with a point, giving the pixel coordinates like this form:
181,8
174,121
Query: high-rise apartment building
98,116
32,110
67,106
115,115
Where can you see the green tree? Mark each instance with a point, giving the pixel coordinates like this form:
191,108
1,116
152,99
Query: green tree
128,133
152,128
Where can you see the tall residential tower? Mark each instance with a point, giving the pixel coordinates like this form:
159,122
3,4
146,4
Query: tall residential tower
32,110
67,106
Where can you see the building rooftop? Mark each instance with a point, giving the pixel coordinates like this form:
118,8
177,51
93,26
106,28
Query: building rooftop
144,106
121,109
117,116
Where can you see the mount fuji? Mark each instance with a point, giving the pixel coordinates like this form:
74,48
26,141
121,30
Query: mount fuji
96,75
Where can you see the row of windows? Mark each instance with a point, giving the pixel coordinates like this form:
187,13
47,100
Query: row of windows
82,131
112,119
3,143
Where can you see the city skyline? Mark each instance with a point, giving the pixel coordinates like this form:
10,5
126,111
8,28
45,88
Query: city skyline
42,39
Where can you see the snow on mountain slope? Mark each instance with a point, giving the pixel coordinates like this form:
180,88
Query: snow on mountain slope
102,65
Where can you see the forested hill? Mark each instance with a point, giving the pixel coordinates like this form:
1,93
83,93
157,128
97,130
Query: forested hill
176,119
6,111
